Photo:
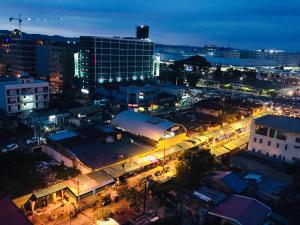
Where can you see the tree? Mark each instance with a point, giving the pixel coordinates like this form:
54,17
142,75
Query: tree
192,79
193,163
272,93
197,62
218,74
134,197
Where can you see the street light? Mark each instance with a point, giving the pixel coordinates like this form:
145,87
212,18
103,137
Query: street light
241,79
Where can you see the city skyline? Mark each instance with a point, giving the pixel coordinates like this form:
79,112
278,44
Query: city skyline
238,24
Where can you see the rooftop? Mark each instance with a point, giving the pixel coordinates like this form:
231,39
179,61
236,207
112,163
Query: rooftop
61,135
142,124
49,190
88,182
231,180
116,38
243,210
90,148
280,122
97,154
87,110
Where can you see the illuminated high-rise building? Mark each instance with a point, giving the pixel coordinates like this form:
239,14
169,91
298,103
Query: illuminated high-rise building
116,59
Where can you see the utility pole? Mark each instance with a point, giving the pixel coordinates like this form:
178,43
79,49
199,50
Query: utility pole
78,192
70,212
145,196
164,162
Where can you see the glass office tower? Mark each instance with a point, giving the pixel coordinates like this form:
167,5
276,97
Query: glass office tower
114,59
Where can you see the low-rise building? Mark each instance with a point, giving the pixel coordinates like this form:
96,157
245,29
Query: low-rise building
24,94
229,182
143,125
240,210
92,148
277,137
212,107
131,96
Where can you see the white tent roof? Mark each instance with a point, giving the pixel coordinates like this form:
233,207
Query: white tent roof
142,124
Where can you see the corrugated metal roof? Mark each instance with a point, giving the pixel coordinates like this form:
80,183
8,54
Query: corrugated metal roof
88,182
232,181
142,124
21,201
244,210
280,122
49,190
61,135
115,171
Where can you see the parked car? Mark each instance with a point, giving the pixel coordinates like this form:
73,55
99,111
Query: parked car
35,140
154,219
158,173
106,201
10,147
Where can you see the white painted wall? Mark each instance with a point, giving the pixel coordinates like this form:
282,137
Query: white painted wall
68,162
289,154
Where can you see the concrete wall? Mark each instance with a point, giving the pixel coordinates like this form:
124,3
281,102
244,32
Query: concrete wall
68,162
286,150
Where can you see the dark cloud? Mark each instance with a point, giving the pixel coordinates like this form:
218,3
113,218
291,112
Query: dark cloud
237,23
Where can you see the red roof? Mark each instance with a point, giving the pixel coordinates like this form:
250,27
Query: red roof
10,214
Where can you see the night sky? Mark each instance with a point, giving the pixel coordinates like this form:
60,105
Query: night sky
246,24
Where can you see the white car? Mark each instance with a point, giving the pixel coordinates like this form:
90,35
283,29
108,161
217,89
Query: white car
10,147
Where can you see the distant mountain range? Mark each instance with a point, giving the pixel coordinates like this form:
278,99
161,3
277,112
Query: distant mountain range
54,38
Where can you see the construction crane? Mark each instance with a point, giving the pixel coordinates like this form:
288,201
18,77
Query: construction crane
19,19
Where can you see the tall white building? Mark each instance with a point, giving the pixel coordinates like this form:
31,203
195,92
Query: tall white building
23,94
277,137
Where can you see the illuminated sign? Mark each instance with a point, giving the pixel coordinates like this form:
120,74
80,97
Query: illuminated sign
132,105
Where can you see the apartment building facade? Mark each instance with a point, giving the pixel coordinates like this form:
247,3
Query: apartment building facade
24,94
277,137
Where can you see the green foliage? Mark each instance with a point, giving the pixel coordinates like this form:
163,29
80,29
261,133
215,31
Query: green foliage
18,173
171,76
197,62
64,172
234,74
272,93
193,163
